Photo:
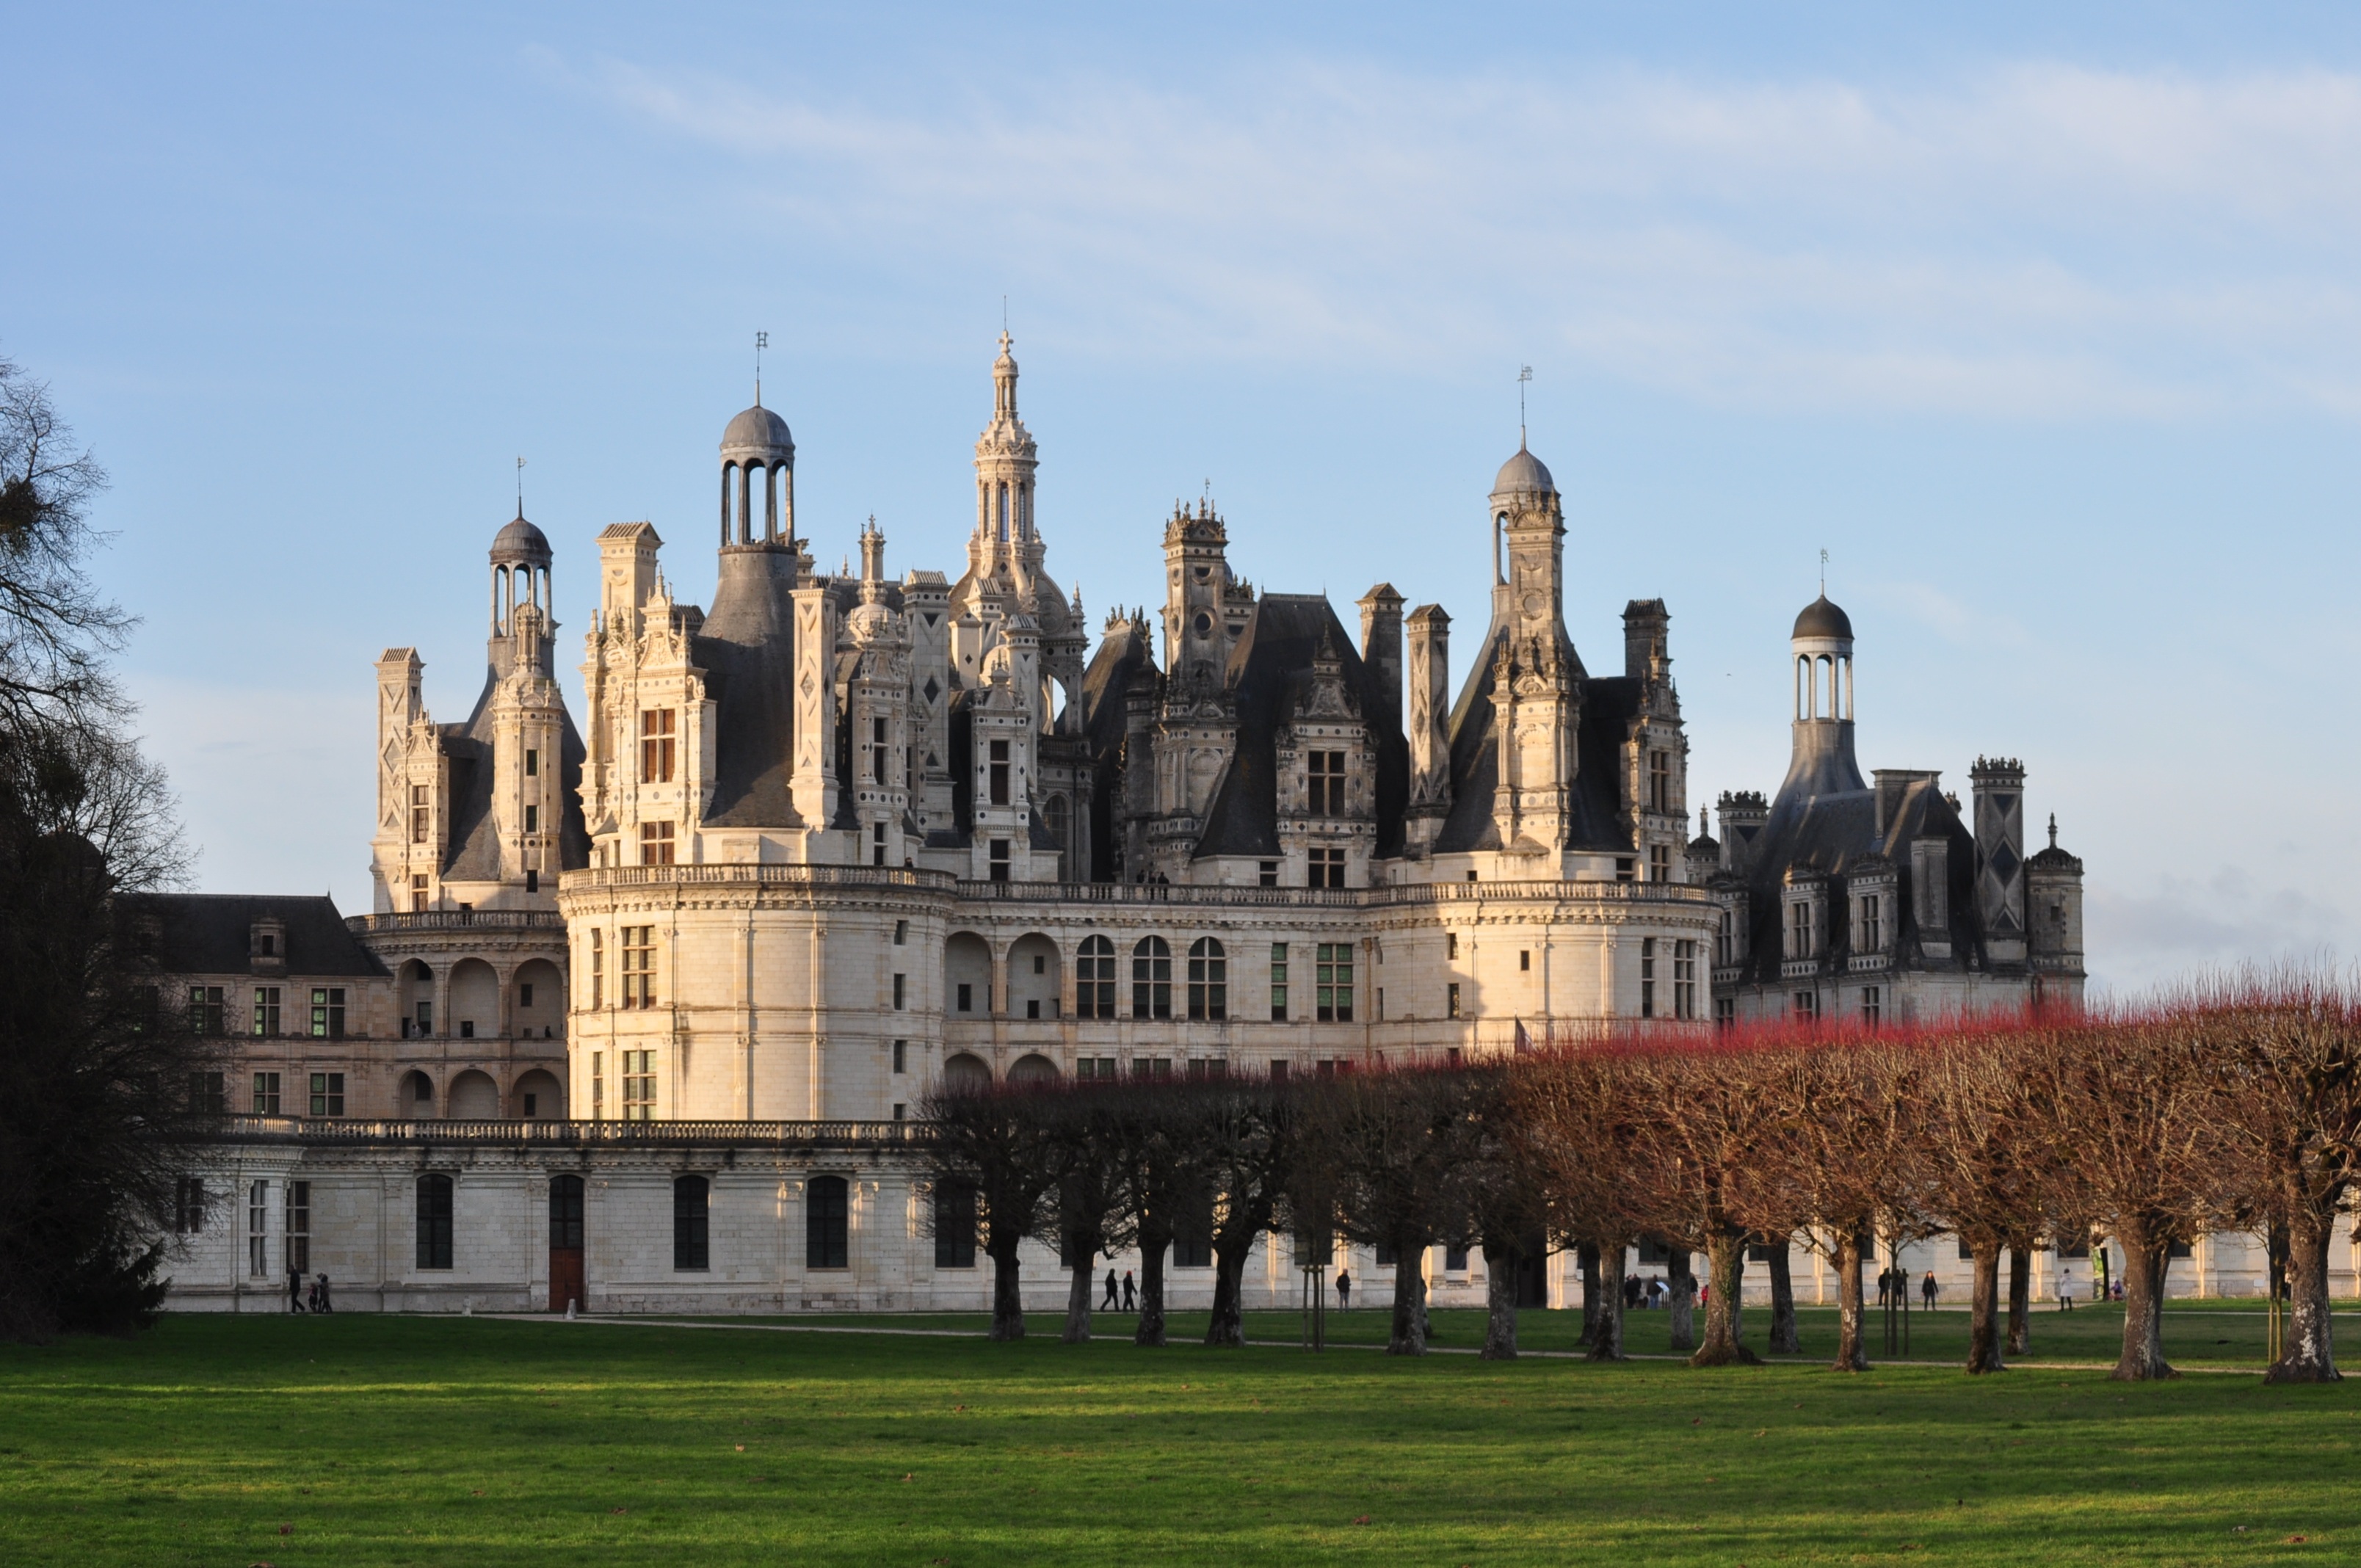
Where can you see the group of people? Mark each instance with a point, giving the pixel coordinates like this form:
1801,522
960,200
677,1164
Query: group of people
1894,1288
1128,1294
309,1295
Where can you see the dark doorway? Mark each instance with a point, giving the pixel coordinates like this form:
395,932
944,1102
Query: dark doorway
1533,1271
566,1243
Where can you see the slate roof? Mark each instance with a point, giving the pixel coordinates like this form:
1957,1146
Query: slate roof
212,932
1125,655
746,649
475,852
1608,706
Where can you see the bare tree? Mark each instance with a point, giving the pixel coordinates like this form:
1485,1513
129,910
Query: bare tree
56,632
1394,1138
1246,1128
1979,1167
995,1141
1082,1202
1160,1176
1579,1111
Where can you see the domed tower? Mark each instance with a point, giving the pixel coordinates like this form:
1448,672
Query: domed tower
1821,648
521,621
1005,462
1536,676
758,461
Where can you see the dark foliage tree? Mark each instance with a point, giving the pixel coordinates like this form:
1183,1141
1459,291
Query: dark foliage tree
1246,1128
1161,1178
1393,1140
998,1141
105,1094
1083,1199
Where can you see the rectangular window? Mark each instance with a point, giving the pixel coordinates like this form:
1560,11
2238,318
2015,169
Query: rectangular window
1267,874
266,1094
901,1056
827,1223
998,865
1331,982
998,777
877,843
1805,1005
656,843
1685,980
1278,1069
639,1086
1725,1011
266,1010
1870,1005
328,1011
1451,944
435,1222
1872,935
877,748
327,1094
1381,994
1660,781
656,745
1799,930
597,1086
531,765
966,998
1728,952
1451,1000
1209,981
1192,1237
692,1222
1647,977
208,1093
188,1206
1623,871
1454,1260
205,1009
1279,982
1660,862
258,1230
638,943
532,819
1524,960
421,813
418,897
1324,783
299,1227
955,1225
901,933
1326,868
598,968
901,992
1095,979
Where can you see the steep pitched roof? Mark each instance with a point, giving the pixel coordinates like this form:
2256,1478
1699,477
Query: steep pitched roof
212,932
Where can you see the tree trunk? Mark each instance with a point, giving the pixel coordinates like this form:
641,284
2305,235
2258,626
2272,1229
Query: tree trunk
1228,1325
1725,1253
2308,1355
1007,1300
1586,1255
1501,1267
1785,1340
1407,1336
1607,1339
1151,1289
2020,1297
1078,1294
1852,1354
2144,1261
1984,1318
1680,1283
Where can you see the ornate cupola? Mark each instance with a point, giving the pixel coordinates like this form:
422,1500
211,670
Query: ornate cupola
1005,542
758,475
1821,649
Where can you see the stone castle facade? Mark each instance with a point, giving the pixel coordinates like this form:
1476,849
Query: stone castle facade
840,837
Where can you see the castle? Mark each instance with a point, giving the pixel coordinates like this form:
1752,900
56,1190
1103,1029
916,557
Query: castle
840,838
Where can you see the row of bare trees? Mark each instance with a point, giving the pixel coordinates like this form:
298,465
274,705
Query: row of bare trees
2235,1107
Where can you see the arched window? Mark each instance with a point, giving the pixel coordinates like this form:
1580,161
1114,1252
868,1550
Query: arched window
825,1205
1151,979
691,1245
1095,979
434,1222
1209,980
1054,816
1004,514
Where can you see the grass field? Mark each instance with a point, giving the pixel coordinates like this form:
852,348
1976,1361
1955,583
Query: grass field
372,1439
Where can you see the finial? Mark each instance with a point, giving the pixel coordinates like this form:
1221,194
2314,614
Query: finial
1705,824
520,489
1824,573
2053,829
762,342
1524,375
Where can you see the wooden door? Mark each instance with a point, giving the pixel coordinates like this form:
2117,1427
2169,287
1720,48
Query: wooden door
566,1282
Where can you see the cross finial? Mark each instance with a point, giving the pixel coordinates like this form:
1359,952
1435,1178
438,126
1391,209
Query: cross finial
762,342
1824,573
2053,829
520,487
1524,377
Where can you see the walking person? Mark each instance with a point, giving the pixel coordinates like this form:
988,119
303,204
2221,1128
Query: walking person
2065,1289
321,1303
295,1288
1884,1285
1130,1296
1343,1290
1108,1304
1927,1289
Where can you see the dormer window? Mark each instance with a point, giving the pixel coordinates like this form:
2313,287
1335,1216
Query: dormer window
1324,780
1660,781
1871,921
267,945
1799,929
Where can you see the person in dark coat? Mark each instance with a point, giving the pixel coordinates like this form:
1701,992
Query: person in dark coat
1108,1304
1130,1294
320,1301
295,1288
1343,1292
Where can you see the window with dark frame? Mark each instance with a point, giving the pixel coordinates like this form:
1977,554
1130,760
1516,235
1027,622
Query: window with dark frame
1684,978
328,1011
1331,982
205,1010
955,1225
656,740
531,763
327,1094
1660,781
996,778
258,1230
691,1234
1267,874
435,1238
1325,868
1660,862
1279,982
1647,977
656,843
901,1056
298,1243
597,967
1324,783
1151,979
826,1211
1871,1006
208,1093
639,1085
1451,1000
1209,980
997,864
1095,979
1872,934
877,750
266,1094
188,1206
638,943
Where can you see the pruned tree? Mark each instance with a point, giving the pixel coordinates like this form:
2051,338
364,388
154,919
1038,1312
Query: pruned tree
2131,1136
1392,1138
995,1141
1082,1202
1579,1113
1497,1190
1979,1171
1247,1129
1160,1176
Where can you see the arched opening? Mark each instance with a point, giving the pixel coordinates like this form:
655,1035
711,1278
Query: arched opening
565,1216
828,1213
540,1007
475,999
728,483
1095,979
966,1074
1209,980
1035,977
967,977
1151,979
537,1097
474,1098
413,1098
1056,815
417,986
1033,1068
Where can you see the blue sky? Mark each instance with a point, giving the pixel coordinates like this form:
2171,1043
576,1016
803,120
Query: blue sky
2043,325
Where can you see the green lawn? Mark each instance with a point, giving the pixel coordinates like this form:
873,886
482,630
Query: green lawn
439,1439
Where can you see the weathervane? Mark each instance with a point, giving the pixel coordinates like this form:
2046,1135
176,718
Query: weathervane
762,342
1824,573
520,487
1524,375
